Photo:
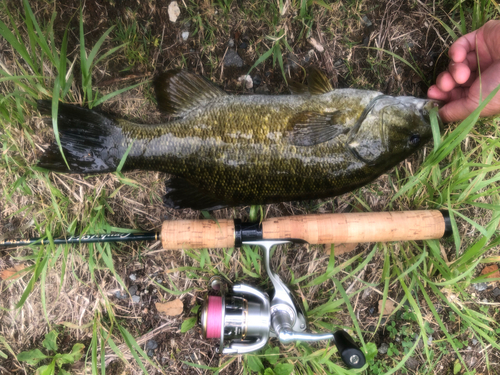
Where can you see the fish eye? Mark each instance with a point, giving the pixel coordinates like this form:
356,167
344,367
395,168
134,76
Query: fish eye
414,140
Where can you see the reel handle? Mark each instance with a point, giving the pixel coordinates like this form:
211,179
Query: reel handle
352,356
315,229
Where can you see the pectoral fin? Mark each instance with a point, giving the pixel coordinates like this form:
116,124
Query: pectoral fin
180,193
178,91
312,128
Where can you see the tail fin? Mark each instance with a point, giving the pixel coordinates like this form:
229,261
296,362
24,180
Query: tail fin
87,139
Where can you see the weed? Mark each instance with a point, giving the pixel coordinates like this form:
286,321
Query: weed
33,357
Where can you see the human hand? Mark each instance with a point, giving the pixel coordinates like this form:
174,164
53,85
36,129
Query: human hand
460,86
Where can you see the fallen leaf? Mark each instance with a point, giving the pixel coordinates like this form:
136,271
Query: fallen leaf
10,273
171,308
341,248
389,307
488,269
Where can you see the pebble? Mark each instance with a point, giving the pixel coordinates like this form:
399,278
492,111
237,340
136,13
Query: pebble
474,342
151,344
133,290
411,364
480,287
151,353
233,59
257,80
371,311
262,89
429,340
247,81
366,21
185,35
121,295
383,348
136,299
133,277
496,292
173,11
230,44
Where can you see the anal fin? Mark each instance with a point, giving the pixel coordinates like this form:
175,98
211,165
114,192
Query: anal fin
180,194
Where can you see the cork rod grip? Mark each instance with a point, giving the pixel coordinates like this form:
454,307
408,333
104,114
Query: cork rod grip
197,234
357,227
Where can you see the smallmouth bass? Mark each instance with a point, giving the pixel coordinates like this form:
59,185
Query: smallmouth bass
225,150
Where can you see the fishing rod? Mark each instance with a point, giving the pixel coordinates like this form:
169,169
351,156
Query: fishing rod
243,317
313,229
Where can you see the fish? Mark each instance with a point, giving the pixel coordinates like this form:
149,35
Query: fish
226,150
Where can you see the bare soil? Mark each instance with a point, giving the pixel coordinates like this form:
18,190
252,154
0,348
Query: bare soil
350,59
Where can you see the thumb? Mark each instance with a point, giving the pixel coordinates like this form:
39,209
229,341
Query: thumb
457,110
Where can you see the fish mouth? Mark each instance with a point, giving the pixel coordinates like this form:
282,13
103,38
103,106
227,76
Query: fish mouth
426,109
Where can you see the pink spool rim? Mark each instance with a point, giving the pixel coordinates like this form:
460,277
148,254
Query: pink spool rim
214,317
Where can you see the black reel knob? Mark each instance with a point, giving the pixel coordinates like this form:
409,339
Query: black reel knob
352,356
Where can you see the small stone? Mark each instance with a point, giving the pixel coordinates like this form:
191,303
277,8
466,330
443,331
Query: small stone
366,21
151,344
383,348
230,44
496,292
184,367
151,353
133,277
173,11
120,295
257,81
262,89
136,299
481,287
429,340
371,311
474,342
233,59
133,290
316,44
247,81
411,364
292,61
185,35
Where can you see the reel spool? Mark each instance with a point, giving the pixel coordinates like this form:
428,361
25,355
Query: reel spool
245,317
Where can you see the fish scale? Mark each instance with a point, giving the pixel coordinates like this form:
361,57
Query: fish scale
231,150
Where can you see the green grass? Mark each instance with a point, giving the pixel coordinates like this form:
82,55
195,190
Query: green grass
433,279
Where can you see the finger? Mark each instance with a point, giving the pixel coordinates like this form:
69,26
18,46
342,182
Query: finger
445,82
460,72
472,61
457,110
462,46
435,93
471,80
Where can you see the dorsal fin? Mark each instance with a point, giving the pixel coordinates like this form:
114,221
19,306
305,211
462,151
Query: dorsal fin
317,82
178,91
297,88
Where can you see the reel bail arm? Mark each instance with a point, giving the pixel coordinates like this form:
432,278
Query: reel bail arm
247,317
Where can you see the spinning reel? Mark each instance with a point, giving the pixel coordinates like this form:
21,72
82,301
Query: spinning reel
245,317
